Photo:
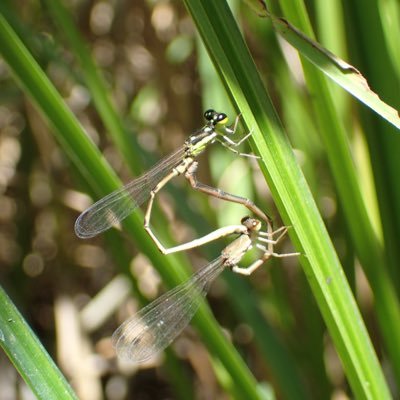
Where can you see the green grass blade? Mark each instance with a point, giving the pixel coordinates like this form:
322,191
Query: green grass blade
28,355
293,198
390,16
369,48
344,74
281,363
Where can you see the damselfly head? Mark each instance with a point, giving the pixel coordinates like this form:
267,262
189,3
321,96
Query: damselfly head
215,118
209,114
251,223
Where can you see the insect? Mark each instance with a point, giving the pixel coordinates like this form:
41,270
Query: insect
116,206
155,326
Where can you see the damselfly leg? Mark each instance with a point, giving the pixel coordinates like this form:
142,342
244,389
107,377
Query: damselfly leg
231,144
214,192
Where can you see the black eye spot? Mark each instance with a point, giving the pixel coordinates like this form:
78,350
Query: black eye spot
209,114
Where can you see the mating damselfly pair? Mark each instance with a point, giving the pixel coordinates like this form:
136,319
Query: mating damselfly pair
156,325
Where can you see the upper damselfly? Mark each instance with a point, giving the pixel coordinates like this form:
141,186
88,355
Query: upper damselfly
116,206
155,326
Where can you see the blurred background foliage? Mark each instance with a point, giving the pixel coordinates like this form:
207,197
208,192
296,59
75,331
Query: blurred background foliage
159,81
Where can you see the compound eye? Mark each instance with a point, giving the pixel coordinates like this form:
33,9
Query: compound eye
245,220
256,225
221,118
209,114
251,223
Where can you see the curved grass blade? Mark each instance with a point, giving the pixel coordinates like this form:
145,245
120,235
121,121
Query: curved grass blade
29,356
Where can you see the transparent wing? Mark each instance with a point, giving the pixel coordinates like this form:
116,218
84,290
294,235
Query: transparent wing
155,326
116,206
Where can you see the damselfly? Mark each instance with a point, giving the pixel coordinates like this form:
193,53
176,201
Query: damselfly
116,206
154,327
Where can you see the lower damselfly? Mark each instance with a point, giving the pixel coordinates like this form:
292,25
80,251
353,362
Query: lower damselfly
155,326
113,208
